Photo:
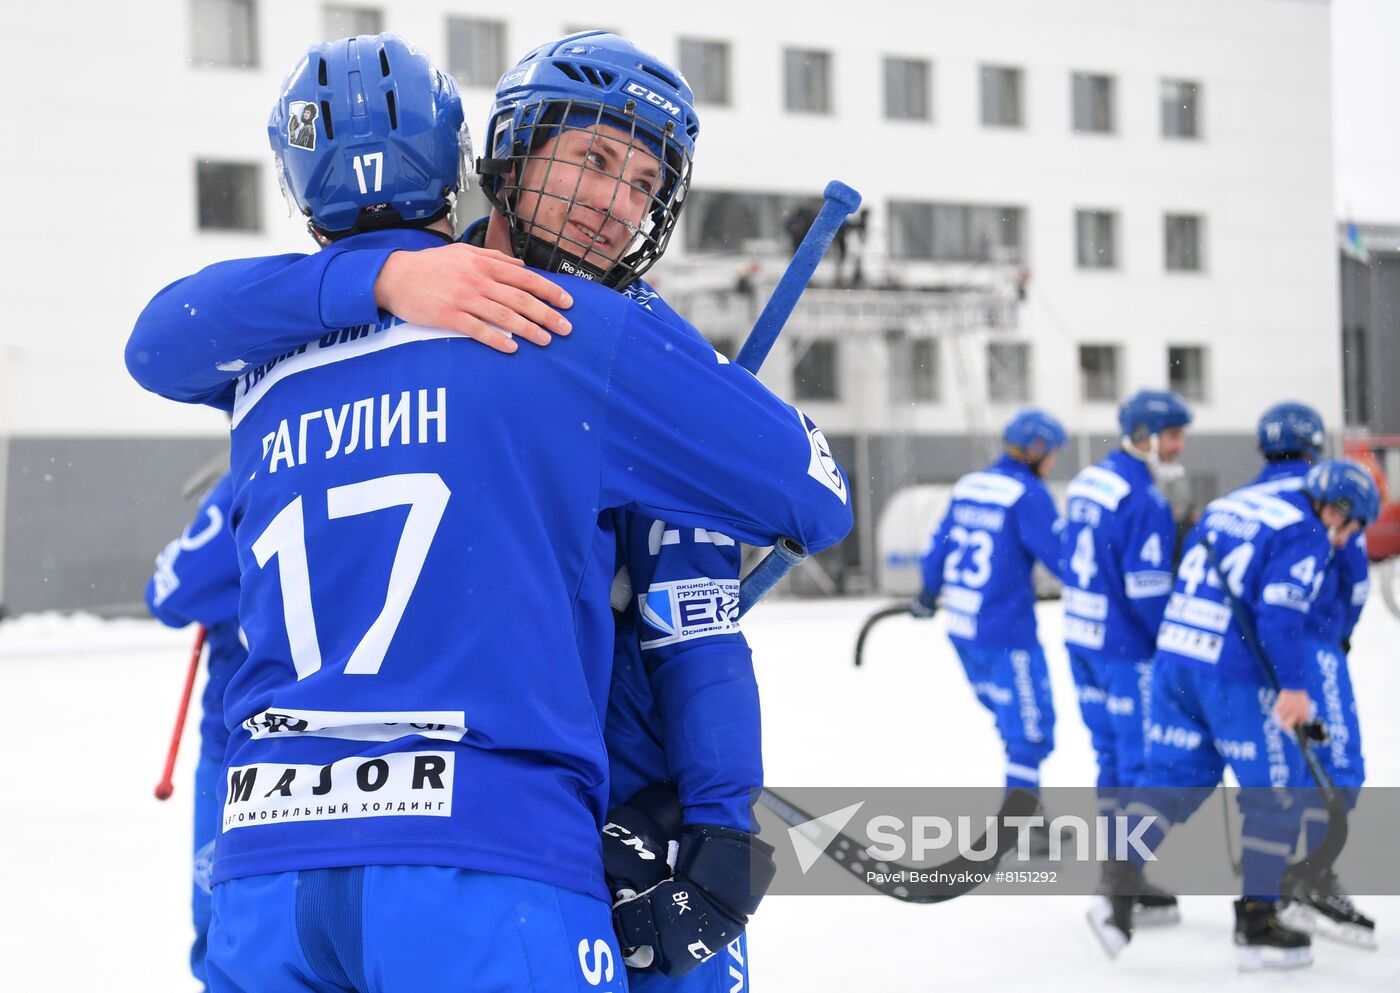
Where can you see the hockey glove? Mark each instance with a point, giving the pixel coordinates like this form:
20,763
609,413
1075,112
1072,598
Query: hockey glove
924,605
721,874
639,840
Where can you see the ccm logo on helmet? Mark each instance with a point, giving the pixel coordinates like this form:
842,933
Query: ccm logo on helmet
653,98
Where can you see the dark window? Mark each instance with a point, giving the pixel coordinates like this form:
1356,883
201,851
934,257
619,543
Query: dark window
907,89
1008,372
732,221
814,374
1096,238
807,80
705,65
224,33
915,374
1181,109
1001,97
342,21
1183,242
227,195
953,232
1356,389
476,51
1098,373
1093,103
1186,371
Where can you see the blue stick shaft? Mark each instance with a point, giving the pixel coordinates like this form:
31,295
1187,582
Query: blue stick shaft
840,201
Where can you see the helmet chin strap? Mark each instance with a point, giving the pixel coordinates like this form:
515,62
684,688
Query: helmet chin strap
1162,472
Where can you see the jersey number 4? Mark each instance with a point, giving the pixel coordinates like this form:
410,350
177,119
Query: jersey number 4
425,495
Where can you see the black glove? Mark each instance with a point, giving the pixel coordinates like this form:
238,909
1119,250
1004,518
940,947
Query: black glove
924,605
721,874
1346,646
639,839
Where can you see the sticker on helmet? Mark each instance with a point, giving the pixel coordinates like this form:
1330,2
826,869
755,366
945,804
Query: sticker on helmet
301,124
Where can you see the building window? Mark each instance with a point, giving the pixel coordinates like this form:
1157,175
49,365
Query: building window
1183,242
227,195
1186,370
1001,97
1096,236
1356,384
476,51
1008,372
915,372
953,232
907,87
341,21
814,374
807,80
736,221
1093,103
224,33
705,65
1181,109
1098,373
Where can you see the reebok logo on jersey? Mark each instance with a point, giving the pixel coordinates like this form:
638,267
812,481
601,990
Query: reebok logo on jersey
686,609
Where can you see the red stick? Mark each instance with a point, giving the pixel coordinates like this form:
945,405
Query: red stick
165,787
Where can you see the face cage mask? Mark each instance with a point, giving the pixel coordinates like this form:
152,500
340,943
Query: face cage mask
559,178
377,217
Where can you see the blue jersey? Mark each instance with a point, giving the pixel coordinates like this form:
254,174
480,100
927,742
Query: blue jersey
979,562
1273,552
684,702
1117,547
196,581
1343,591
445,706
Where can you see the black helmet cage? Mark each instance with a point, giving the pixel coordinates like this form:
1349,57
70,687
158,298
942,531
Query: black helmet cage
564,251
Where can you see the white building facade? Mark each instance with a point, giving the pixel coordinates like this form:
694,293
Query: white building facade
1146,188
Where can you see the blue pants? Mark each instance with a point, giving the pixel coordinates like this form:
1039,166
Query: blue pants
1113,700
409,929
1334,701
1199,723
1014,684
727,972
206,828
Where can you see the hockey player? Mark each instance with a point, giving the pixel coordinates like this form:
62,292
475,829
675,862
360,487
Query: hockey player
1117,548
978,568
480,753
1291,438
196,582
1256,558
701,644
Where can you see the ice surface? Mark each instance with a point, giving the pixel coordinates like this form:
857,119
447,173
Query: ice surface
94,871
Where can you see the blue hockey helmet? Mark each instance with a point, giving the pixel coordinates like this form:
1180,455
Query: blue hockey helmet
1291,429
588,81
1034,430
1150,412
1346,485
368,134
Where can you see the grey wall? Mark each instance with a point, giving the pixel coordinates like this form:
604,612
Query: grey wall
85,517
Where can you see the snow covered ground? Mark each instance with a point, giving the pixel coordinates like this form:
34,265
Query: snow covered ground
94,873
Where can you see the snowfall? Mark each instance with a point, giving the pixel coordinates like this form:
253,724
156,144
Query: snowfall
94,871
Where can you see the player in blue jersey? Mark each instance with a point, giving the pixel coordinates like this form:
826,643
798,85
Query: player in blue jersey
483,751
978,570
1117,550
1291,439
196,582
1257,558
